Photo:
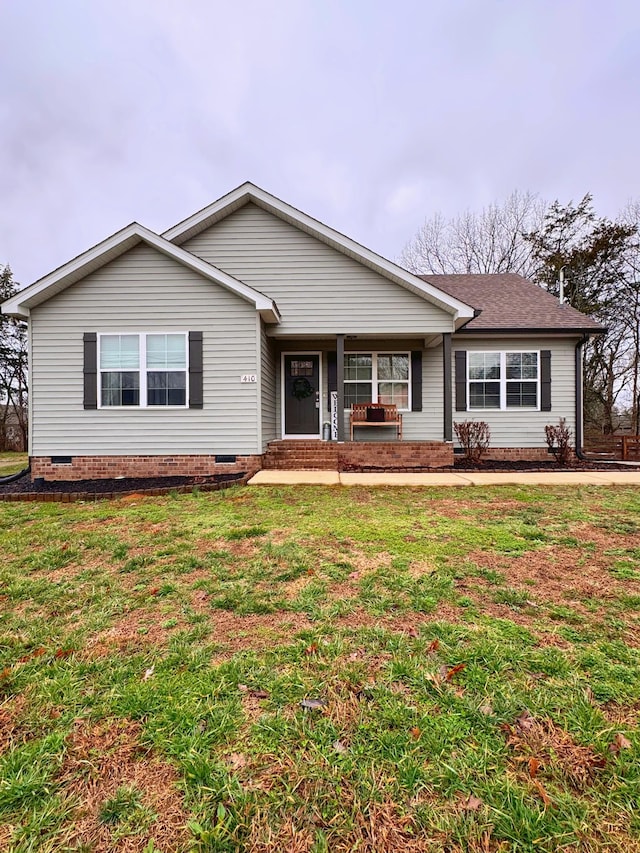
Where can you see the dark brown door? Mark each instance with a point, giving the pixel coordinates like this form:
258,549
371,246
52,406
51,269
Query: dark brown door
302,395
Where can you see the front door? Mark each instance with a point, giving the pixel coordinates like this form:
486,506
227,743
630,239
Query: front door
301,395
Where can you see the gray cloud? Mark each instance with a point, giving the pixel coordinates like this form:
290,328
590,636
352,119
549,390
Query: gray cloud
368,115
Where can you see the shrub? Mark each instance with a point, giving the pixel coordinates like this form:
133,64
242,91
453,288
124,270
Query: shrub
474,438
559,441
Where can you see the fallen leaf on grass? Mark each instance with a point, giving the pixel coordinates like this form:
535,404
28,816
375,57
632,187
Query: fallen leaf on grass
415,733
525,721
312,649
313,704
148,673
340,747
546,799
534,766
434,645
259,694
619,742
471,803
36,654
486,709
237,760
255,693
413,633
63,653
447,672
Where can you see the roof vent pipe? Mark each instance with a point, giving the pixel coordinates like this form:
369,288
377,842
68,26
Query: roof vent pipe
561,285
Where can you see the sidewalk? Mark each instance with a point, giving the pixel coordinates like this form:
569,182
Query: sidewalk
528,478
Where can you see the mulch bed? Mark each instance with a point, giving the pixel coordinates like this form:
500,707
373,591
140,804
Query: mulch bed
82,490
87,490
494,466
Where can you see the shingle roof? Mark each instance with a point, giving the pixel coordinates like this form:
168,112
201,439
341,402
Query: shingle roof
509,302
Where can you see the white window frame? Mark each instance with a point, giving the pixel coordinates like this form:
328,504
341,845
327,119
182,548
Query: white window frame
374,374
503,381
142,369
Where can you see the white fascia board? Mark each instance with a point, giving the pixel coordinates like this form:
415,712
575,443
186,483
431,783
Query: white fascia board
116,245
248,192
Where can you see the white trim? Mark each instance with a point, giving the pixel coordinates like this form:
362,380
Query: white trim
374,373
30,387
308,435
249,192
142,369
503,382
115,246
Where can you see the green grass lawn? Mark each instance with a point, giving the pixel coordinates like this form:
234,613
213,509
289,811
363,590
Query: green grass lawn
11,463
312,669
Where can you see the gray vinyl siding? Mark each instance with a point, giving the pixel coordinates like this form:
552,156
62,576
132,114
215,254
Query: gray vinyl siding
318,289
426,425
524,427
144,291
268,387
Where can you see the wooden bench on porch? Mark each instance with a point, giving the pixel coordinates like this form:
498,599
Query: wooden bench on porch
375,415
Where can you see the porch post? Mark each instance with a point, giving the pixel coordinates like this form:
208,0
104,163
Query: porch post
446,385
340,384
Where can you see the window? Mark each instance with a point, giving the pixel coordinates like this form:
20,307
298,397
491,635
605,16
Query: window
503,380
143,370
376,378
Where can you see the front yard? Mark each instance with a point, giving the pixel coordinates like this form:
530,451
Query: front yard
315,669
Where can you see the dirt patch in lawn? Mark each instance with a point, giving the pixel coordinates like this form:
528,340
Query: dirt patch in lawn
553,574
543,749
138,630
406,623
627,716
378,825
255,632
9,716
100,761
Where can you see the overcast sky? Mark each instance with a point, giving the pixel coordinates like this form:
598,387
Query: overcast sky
369,115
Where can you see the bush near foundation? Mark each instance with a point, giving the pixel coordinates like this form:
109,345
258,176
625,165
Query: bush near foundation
474,438
559,441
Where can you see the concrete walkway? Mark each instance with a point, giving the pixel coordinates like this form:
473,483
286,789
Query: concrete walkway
528,478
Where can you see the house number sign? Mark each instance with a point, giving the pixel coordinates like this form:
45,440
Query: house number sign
249,377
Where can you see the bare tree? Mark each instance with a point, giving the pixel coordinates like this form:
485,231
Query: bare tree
596,255
13,368
491,241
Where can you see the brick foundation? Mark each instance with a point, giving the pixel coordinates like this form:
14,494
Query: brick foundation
396,454
107,467
290,455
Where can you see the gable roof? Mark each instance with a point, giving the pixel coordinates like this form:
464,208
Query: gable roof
116,245
248,193
507,302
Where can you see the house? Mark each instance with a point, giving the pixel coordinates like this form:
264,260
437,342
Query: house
233,339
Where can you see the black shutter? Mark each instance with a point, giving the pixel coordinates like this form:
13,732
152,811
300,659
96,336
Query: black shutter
195,370
332,376
461,380
416,380
545,380
90,370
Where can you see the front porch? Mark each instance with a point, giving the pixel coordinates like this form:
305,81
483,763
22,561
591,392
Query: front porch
317,455
320,382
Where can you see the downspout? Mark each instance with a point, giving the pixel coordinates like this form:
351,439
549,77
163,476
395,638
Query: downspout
579,398
11,477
